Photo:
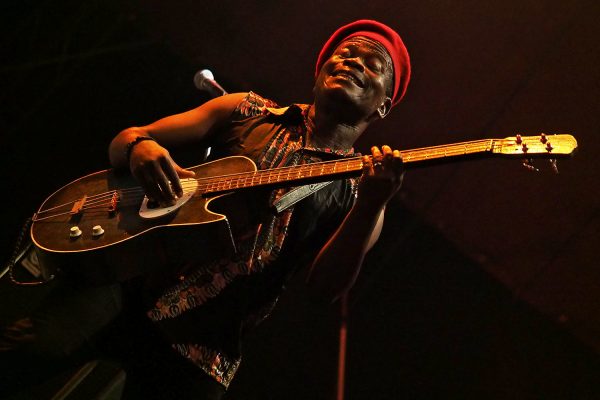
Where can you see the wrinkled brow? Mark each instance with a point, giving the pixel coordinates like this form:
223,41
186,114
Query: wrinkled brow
372,45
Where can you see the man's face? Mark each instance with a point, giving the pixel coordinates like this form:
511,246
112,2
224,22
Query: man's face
358,75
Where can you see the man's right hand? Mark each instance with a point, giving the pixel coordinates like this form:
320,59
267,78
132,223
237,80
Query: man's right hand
152,165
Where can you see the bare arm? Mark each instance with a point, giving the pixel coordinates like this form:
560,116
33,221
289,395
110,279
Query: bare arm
149,160
338,264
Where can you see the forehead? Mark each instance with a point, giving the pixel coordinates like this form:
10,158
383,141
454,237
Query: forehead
371,45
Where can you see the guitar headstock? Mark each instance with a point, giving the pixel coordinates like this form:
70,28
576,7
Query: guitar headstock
542,146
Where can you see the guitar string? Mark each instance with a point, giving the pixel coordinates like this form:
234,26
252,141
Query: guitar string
411,155
208,183
280,173
204,184
269,174
231,184
220,185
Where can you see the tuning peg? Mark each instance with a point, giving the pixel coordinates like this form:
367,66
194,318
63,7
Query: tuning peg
528,163
554,165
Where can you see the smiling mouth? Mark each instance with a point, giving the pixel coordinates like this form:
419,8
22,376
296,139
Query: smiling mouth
349,76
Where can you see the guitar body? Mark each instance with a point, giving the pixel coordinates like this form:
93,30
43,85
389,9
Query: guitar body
131,245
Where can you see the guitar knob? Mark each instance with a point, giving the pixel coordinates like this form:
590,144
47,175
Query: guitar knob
543,138
97,230
75,232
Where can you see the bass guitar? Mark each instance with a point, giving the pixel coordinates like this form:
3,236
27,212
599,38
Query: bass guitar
104,215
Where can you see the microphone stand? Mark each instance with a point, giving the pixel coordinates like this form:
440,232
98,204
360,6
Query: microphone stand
342,347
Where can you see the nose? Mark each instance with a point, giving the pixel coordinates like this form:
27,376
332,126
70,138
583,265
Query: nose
355,63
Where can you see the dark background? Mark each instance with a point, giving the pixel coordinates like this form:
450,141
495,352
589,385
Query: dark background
485,282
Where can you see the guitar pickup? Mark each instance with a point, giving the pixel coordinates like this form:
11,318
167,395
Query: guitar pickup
78,205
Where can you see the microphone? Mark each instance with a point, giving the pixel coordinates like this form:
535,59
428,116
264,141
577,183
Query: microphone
204,80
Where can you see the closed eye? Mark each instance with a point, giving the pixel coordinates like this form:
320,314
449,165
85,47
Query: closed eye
375,64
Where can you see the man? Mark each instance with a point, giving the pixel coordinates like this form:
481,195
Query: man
361,73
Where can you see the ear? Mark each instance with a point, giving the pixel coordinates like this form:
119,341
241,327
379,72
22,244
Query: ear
384,109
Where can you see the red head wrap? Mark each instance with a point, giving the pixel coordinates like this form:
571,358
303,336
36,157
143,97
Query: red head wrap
381,33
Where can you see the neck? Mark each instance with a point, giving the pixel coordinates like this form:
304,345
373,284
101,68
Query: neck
327,129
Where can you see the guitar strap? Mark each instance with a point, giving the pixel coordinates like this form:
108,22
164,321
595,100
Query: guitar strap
301,192
297,194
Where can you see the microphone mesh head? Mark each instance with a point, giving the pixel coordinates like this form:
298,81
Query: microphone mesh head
207,74
201,76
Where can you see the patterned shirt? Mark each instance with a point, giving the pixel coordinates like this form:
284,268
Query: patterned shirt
206,315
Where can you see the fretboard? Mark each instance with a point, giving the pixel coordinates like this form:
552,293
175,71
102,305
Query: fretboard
334,169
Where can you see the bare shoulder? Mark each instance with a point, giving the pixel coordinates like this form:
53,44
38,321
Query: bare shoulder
223,105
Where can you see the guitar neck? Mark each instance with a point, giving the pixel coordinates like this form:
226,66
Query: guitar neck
524,147
444,153
335,169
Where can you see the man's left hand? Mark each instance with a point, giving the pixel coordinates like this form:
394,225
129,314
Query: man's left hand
382,176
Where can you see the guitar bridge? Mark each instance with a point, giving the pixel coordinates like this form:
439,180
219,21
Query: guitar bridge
78,205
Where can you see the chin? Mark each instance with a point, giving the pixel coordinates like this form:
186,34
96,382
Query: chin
337,94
